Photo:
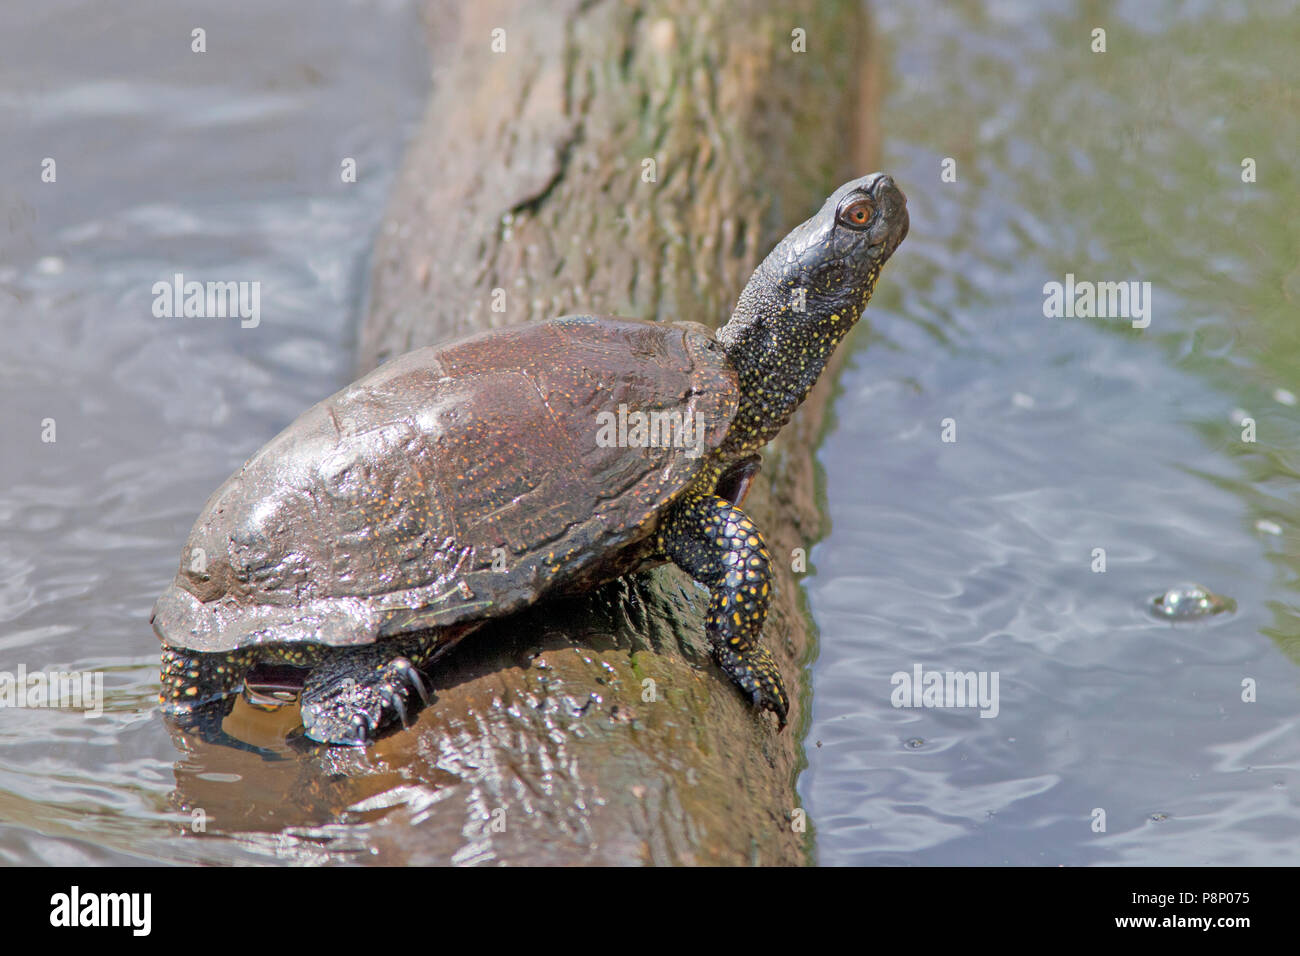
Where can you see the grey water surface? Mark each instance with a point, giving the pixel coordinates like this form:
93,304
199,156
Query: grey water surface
224,165
1072,434
978,554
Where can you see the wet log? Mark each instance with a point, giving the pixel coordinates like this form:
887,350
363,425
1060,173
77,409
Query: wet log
631,158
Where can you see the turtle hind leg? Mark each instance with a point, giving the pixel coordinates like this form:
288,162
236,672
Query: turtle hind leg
715,542
355,693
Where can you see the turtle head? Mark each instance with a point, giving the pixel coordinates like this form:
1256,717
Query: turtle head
830,263
803,299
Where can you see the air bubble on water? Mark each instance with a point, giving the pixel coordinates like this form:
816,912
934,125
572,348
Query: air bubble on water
1186,602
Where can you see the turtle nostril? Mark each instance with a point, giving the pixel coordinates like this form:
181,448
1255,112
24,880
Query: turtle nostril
889,188
886,191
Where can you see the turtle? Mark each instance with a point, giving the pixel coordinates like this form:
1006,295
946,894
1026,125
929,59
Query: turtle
462,482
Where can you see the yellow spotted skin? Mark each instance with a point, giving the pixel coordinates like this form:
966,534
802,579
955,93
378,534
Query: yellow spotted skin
190,680
716,543
349,694
802,301
797,307
360,543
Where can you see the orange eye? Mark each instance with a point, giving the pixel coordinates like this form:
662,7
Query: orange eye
857,213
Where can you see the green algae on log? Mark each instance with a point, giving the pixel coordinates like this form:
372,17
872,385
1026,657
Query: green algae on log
636,159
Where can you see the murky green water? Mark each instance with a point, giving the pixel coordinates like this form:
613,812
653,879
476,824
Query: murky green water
1072,434
974,555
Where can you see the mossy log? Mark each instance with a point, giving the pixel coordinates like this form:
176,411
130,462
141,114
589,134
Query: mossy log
638,159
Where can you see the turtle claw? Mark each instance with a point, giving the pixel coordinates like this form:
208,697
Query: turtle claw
763,699
781,710
757,676
395,701
414,678
353,697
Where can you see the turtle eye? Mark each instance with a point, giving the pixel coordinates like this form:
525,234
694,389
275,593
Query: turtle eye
857,214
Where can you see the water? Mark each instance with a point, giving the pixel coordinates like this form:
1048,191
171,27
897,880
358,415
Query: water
1071,435
166,160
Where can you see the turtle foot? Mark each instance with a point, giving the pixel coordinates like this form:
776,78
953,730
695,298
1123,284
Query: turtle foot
756,674
356,695
203,721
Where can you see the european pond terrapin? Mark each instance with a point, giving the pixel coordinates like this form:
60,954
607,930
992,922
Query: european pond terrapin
462,482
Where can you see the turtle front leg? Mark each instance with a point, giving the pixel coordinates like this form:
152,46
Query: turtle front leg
715,542
191,680
353,694
198,690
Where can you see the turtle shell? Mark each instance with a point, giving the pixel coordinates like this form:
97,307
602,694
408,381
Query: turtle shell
453,484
